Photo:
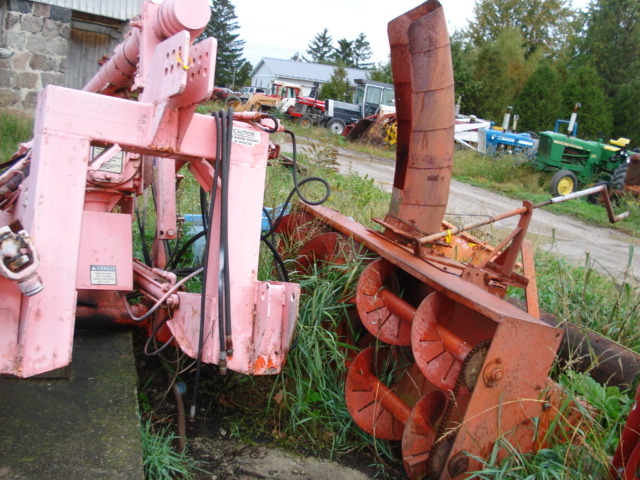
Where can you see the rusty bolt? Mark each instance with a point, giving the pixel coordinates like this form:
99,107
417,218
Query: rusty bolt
458,464
496,374
171,232
493,373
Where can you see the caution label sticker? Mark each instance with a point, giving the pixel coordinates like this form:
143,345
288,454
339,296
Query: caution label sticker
242,136
103,275
114,165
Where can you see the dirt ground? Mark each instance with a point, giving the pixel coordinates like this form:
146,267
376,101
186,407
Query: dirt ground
608,249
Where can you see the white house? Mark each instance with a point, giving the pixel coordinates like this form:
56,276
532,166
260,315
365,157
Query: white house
269,70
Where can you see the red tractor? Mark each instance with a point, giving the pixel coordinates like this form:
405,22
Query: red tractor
308,110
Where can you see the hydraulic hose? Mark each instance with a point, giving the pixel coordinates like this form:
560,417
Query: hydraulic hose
207,233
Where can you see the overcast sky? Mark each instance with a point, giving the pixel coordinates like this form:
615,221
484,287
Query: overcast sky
280,28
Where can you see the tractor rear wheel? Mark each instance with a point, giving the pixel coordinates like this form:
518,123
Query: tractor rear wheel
563,183
305,122
619,174
336,126
594,198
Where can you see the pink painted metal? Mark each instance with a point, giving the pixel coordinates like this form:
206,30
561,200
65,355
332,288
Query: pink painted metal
91,155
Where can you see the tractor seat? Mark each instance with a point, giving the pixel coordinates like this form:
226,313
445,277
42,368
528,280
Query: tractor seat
621,142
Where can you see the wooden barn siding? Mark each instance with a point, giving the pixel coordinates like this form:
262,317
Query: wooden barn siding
85,50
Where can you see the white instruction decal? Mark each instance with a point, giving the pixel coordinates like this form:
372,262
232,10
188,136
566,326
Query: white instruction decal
103,275
242,136
113,165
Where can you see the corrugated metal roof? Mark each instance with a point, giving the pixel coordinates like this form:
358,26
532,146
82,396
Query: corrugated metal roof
119,9
316,72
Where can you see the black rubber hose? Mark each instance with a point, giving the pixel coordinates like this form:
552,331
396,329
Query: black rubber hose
212,201
266,129
180,253
224,236
297,185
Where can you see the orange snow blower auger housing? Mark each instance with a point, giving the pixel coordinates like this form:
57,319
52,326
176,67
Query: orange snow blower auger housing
469,368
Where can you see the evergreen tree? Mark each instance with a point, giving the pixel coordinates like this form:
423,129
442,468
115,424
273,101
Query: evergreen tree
500,74
344,53
222,27
463,58
337,87
540,102
626,122
361,52
243,75
585,87
612,42
320,48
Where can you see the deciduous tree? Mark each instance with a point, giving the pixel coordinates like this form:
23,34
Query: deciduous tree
543,23
381,72
612,42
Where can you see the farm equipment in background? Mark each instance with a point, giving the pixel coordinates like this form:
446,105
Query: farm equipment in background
308,111
369,99
625,179
472,368
467,130
505,140
282,96
578,162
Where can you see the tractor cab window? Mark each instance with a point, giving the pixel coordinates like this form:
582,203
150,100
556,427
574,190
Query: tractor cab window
388,97
358,97
373,97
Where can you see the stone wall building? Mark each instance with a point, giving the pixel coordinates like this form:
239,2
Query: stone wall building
55,42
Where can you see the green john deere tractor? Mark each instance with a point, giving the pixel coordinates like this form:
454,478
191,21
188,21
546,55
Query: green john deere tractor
578,162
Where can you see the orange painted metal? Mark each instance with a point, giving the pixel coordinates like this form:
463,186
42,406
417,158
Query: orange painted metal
489,356
423,80
626,461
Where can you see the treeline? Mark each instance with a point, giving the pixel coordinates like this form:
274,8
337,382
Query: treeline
542,57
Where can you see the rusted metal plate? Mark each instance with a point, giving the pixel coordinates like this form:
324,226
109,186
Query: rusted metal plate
420,433
372,405
374,298
442,335
423,79
439,278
